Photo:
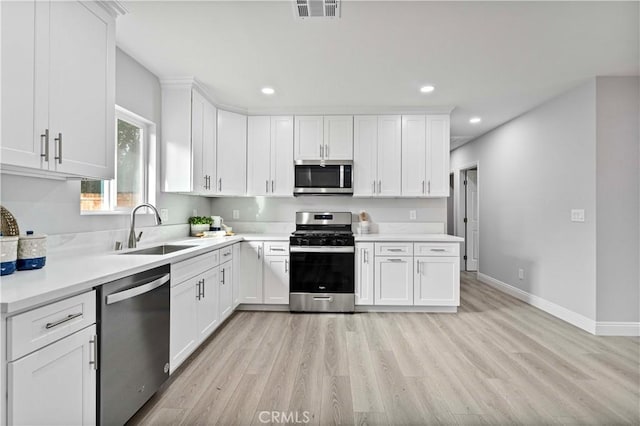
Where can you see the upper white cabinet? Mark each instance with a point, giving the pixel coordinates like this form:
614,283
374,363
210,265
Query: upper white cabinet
270,156
58,82
188,139
232,153
324,137
377,147
425,155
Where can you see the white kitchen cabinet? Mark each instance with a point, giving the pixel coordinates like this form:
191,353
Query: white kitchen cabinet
436,281
207,309
276,279
438,143
58,79
226,290
232,153
251,273
236,275
270,156
309,139
203,144
324,137
377,155
183,333
364,277
393,283
55,384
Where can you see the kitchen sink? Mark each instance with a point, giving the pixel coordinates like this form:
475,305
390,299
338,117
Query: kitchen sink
163,249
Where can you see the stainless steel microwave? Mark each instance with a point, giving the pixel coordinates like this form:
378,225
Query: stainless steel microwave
323,177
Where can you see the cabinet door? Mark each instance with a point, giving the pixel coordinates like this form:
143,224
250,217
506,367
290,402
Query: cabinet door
414,147
236,275
209,122
56,384
276,279
365,146
437,281
281,156
226,290
309,143
251,272
258,155
183,336
21,143
207,305
232,153
177,149
394,280
389,164
364,273
82,88
338,137
199,180
438,155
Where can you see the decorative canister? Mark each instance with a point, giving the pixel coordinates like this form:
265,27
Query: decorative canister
32,251
9,249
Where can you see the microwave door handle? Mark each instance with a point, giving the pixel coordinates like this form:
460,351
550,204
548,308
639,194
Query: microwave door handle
341,176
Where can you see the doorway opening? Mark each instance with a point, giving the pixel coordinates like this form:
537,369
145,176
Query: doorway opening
470,220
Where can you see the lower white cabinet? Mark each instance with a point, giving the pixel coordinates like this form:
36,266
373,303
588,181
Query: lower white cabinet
208,316
250,275
364,273
436,281
55,384
264,279
276,279
183,335
393,280
226,289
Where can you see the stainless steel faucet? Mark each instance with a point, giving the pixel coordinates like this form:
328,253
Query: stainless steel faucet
133,240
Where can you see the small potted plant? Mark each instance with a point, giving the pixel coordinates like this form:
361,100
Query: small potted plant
199,224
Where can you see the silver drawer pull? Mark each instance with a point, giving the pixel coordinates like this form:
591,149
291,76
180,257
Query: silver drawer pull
396,260
323,298
277,249
63,320
438,250
395,250
227,254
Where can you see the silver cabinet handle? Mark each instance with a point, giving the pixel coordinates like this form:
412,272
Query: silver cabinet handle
417,267
396,260
203,289
326,151
437,249
136,291
220,184
59,156
226,254
44,138
321,150
277,248
266,185
62,321
365,255
286,266
93,355
259,250
379,186
223,280
273,186
395,250
205,182
374,187
423,187
429,187
198,290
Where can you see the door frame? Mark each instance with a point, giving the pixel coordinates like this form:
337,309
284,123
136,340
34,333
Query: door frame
459,199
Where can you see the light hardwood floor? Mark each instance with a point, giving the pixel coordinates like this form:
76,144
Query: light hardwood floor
497,361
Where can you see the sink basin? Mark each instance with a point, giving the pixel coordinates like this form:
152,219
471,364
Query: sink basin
163,249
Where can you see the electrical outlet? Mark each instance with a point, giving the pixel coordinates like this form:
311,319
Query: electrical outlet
164,215
577,215
236,214
521,274
412,215
195,212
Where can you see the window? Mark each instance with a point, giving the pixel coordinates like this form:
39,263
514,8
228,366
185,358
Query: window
134,167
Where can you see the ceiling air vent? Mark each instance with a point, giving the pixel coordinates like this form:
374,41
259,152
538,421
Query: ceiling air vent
317,8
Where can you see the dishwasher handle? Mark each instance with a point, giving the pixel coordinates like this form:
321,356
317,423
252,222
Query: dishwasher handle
136,291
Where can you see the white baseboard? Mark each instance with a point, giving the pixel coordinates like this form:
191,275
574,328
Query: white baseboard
611,328
558,311
429,309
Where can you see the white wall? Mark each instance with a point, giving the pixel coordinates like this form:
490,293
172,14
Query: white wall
618,183
532,171
53,207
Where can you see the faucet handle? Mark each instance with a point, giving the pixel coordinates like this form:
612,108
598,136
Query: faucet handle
118,245
139,236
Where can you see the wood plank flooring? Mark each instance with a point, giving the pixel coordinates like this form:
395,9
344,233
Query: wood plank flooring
497,361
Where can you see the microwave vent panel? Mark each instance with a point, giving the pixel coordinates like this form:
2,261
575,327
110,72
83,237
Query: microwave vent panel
305,9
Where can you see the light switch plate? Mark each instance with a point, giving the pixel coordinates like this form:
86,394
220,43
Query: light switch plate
577,215
164,215
412,215
236,214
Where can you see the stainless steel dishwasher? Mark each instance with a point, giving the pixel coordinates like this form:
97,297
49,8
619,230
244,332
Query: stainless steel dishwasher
133,343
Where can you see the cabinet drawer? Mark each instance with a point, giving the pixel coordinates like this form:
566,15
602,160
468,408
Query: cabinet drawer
394,249
226,254
39,327
437,249
275,248
189,268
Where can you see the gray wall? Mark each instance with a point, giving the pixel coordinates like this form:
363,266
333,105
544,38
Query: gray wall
618,182
532,171
53,207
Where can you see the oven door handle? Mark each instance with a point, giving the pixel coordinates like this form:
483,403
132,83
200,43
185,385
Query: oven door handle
320,249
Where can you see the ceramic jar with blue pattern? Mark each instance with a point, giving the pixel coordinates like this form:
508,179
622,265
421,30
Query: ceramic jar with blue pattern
9,250
32,251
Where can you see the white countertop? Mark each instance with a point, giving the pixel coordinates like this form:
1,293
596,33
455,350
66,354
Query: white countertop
423,238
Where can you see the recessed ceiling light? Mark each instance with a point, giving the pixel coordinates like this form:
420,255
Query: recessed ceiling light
268,91
475,120
427,89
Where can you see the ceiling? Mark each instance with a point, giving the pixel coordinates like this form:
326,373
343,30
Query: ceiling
495,60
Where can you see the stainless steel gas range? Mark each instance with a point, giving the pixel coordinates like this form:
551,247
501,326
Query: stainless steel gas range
321,278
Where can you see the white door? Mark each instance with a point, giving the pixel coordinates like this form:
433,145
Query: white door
207,307
251,272
21,143
258,155
281,156
232,153
436,281
82,88
226,290
393,280
55,385
236,276
364,273
365,147
438,155
198,178
276,279
309,142
389,164
472,247
338,137
183,336
414,152
209,147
